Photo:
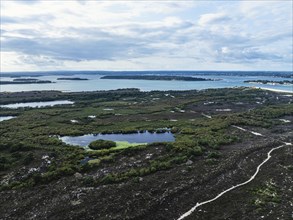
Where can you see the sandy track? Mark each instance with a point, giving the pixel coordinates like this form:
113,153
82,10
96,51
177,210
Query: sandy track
236,186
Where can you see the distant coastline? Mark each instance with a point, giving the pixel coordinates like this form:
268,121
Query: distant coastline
25,81
71,78
281,74
150,80
270,82
274,90
156,77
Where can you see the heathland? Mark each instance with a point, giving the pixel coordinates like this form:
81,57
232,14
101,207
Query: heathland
221,136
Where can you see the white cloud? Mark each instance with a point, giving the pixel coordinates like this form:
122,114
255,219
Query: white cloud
211,18
225,50
145,35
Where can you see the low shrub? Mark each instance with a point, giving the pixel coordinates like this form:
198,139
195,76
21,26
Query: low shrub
101,144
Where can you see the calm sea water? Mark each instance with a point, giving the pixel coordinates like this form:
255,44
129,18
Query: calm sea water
145,137
95,83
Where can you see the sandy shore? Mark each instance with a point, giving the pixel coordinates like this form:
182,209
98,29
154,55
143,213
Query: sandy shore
275,90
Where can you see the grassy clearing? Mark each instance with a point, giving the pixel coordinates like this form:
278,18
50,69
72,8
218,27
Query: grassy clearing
126,144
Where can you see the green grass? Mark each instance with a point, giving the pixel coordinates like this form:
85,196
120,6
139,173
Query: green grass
126,144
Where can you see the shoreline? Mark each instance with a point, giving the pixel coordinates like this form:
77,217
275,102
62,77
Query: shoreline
274,90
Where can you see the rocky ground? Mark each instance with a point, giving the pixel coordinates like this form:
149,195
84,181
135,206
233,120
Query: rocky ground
168,194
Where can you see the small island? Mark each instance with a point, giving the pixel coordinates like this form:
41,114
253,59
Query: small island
156,77
270,82
102,144
72,78
25,81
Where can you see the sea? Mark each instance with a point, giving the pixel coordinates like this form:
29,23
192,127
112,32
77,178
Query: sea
221,79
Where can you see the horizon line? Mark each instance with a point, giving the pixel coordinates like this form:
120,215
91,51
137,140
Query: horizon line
48,71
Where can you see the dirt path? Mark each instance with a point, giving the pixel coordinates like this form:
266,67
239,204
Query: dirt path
243,129
236,186
207,116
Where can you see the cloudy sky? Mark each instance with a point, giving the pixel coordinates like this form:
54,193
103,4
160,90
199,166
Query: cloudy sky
146,35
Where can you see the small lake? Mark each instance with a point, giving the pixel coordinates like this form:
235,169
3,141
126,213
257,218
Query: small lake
146,137
37,104
5,118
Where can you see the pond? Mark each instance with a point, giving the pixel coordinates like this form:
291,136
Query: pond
37,104
4,118
145,137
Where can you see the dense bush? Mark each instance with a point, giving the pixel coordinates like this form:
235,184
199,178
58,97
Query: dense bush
19,147
88,181
214,154
101,144
28,158
188,147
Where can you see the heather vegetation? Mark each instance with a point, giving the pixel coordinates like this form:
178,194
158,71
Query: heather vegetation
32,154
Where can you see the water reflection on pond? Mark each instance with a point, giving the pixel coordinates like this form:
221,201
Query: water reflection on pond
5,118
37,104
145,137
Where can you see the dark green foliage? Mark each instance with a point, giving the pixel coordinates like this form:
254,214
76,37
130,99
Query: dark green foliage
88,181
214,155
110,178
28,158
190,148
66,170
4,163
19,147
178,159
101,144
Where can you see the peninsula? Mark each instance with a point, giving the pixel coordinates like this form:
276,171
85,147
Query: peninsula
25,81
156,77
270,82
72,78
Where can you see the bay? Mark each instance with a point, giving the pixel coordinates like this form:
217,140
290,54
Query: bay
96,83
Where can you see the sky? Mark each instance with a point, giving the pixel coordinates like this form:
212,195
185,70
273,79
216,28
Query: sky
53,35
